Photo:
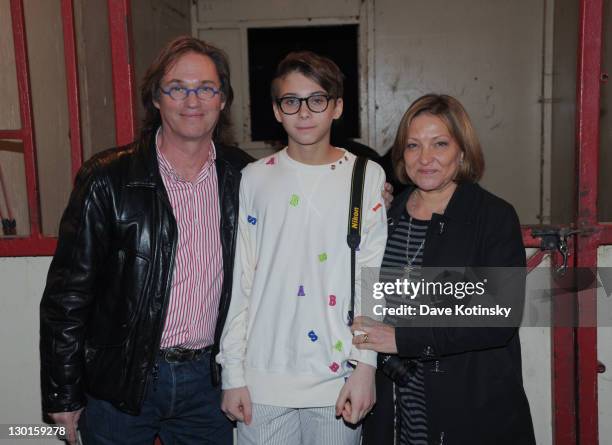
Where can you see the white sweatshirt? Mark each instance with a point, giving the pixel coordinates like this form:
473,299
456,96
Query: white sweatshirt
286,336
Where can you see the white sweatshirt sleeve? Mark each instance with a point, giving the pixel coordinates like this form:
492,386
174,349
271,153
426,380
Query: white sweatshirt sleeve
233,339
373,242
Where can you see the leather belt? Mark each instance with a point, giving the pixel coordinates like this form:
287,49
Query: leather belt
179,355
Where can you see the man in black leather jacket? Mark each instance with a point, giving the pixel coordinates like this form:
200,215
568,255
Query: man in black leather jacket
110,285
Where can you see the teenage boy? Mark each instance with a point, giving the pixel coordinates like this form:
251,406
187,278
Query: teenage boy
290,374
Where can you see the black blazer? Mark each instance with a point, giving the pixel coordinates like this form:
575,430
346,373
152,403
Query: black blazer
479,396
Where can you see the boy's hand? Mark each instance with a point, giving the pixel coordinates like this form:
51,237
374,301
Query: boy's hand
387,194
358,395
236,404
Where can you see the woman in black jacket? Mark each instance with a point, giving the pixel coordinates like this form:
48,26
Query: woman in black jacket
446,385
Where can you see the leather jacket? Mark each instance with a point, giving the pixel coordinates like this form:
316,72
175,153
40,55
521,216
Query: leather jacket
104,306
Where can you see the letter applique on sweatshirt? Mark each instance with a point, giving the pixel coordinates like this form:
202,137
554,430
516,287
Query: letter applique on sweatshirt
313,337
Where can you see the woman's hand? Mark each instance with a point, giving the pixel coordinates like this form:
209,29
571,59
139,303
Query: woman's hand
387,195
374,335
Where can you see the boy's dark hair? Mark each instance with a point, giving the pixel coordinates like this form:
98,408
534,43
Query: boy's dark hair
165,60
317,68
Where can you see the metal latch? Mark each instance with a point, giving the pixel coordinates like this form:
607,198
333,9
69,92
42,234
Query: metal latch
9,226
601,368
555,239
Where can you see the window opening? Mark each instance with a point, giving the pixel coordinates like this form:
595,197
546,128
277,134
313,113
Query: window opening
268,46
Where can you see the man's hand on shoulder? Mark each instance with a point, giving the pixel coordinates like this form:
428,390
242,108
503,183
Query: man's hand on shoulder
70,420
236,404
358,395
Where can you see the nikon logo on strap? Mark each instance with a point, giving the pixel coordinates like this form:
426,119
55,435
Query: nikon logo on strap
353,237
355,218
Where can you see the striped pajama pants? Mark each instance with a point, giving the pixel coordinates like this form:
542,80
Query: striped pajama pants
276,425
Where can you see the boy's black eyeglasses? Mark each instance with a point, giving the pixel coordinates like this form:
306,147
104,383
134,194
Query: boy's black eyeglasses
317,103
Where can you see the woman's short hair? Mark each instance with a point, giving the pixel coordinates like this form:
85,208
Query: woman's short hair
452,113
165,60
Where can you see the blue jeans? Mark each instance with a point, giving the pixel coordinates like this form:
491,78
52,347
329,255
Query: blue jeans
181,406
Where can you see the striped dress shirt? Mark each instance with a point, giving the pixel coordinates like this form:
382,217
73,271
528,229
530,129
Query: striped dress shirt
198,266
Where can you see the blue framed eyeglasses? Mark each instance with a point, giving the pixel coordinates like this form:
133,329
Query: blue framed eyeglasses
178,92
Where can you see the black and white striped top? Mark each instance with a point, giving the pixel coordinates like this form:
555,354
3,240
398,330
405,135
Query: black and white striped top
410,402
395,252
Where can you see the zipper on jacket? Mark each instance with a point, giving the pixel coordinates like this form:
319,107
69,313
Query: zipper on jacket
155,374
164,309
436,367
395,419
166,298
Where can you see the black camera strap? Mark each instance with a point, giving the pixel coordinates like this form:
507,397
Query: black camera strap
353,237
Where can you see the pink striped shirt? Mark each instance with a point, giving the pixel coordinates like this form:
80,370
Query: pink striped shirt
198,265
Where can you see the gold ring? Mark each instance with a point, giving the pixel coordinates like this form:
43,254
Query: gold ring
365,338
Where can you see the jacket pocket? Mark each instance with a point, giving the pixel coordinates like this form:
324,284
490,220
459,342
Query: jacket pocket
120,299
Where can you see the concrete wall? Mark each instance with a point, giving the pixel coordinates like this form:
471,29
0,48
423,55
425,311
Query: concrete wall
604,355
95,76
155,22
11,152
23,280
537,379
9,112
11,158
409,48
49,101
486,53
